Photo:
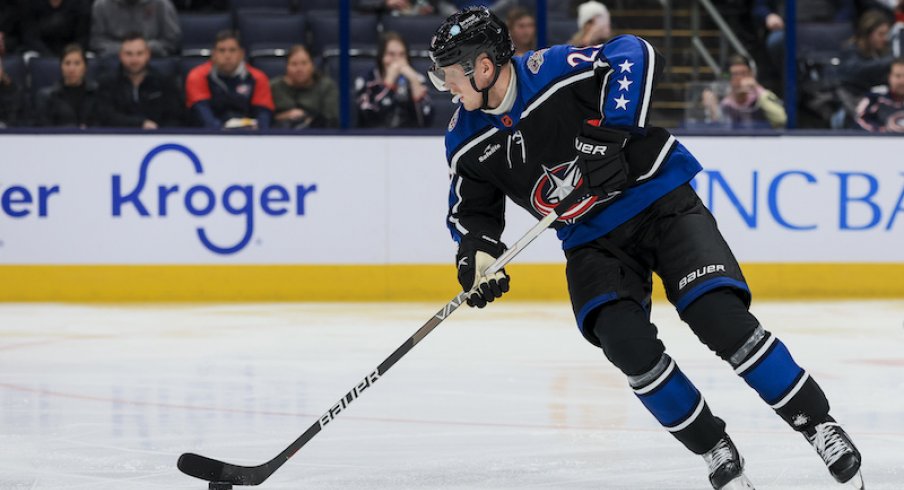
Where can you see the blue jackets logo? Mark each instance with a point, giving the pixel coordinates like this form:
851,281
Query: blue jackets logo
200,200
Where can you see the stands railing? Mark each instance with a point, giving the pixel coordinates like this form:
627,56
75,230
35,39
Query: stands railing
727,35
729,38
791,62
667,27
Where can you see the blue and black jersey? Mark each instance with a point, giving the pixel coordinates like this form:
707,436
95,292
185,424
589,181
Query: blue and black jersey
528,153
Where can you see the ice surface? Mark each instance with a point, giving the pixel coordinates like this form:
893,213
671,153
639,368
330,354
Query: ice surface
107,397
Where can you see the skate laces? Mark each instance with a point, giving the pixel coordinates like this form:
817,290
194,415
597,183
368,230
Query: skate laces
719,455
829,443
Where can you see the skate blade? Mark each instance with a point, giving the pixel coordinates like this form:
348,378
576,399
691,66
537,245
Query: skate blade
739,483
856,482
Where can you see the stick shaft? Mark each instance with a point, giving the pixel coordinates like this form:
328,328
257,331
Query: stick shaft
406,346
218,471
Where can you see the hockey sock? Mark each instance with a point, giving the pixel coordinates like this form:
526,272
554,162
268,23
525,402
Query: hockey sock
766,365
671,397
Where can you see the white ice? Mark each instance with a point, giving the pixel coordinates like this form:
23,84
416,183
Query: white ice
107,397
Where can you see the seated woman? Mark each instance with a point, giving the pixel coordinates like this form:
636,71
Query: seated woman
865,60
304,97
393,95
747,104
73,101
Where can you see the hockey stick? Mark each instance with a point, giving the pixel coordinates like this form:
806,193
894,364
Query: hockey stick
223,475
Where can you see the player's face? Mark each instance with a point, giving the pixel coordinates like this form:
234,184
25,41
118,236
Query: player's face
459,83
227,55
134,56
896,80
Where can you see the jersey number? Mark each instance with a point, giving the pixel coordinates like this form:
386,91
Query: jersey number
575,58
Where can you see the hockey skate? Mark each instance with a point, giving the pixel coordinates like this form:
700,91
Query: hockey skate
726,467
838,452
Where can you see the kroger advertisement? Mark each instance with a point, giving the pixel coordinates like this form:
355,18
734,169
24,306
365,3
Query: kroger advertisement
154,199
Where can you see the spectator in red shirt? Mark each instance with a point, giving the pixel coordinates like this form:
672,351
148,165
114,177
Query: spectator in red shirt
225,92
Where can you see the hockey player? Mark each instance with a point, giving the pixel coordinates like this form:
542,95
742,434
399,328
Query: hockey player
536,127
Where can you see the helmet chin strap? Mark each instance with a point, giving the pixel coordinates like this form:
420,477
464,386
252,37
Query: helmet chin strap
486,91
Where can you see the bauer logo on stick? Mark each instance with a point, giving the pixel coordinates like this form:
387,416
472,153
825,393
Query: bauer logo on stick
351,396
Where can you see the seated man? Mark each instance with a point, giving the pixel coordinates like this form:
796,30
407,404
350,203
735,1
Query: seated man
227,93
137,95
885,112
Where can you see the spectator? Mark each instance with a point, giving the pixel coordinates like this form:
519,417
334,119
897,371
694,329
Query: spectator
50,25
304,97
747,104
887,6
73,101
9,26
137,96
393,95
866,59
448,7
594,25
523,29
156,20
227,93
885,112
398,7
12,101
768,14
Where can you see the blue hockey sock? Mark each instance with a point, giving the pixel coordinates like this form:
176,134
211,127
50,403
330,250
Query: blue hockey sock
767,366
678,406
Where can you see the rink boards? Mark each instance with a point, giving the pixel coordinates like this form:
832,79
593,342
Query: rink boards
182,217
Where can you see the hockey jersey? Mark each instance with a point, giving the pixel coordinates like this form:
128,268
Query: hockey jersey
528,153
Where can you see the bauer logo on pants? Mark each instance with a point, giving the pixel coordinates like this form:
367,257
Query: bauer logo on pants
699,273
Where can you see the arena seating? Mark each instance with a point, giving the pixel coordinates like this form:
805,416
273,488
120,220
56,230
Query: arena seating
199,31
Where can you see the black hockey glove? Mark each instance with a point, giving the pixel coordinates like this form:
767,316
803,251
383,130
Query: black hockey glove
475,254
601,158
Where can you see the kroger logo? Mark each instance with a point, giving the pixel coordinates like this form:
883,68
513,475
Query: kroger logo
200,200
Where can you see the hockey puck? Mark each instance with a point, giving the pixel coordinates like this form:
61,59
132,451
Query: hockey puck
214,485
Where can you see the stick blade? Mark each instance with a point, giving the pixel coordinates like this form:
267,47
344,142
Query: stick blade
213,470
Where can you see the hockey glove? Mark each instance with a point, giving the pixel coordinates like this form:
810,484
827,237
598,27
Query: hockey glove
601,158
475,255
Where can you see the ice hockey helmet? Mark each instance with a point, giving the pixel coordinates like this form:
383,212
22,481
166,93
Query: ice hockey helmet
464,35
